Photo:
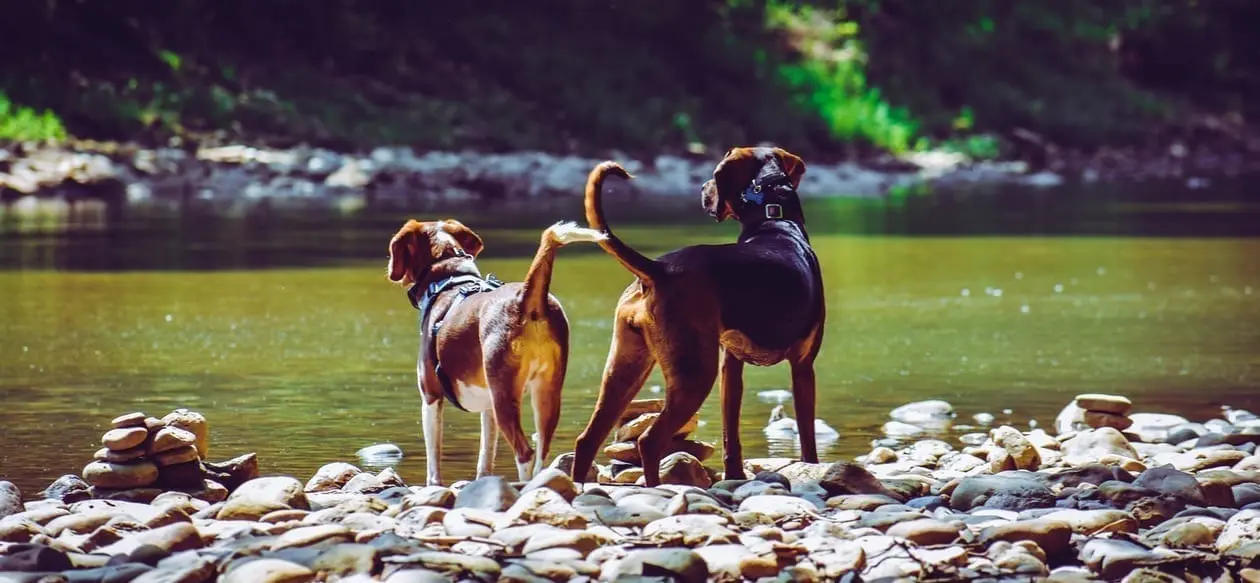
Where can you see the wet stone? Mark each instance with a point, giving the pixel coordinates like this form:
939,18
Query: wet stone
488,493
124,438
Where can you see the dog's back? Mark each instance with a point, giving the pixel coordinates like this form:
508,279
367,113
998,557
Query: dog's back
766,288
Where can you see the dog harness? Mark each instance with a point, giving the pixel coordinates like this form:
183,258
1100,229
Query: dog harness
467,285
768,185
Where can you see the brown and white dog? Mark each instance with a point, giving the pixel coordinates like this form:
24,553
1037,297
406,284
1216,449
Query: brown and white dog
709,308
484,343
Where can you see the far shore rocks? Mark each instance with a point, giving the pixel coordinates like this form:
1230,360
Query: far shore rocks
1087,504
231,175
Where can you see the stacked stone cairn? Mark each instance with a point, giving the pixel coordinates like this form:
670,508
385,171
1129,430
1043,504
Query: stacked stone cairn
1095,411
144,456
681,463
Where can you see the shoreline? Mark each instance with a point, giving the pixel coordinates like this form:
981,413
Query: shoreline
1104,493
241,174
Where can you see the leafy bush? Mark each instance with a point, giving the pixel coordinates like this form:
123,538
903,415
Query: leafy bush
19,123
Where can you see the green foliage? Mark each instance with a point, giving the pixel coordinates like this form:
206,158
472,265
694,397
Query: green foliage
976,146
830,78
1048,66
657,75
20,123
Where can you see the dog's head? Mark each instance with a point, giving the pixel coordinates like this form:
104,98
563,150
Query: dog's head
417,246
721,195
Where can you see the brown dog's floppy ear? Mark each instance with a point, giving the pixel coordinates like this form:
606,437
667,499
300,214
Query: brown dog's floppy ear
402,250
467,239
792,165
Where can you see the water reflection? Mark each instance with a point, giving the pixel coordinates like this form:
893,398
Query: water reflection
88,235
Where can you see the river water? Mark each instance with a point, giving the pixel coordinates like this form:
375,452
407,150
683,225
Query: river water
282,329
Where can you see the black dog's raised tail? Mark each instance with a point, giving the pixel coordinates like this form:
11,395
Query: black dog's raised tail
638,264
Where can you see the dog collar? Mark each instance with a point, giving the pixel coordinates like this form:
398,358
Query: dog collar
768,185
422,297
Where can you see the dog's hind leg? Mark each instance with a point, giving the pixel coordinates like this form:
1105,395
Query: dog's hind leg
545,389
689,376
489,443
627,368
506,388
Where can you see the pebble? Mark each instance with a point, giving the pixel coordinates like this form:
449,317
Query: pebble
1052,536
554,480
128,420
1113,558
925,531
545,506
631,430
1021,452
169,438
194,423
847,478
924,413
124,438
1089,445
684,468
682,565
120,475
692,529
1006,491
1099,419
1113,404
487,493
1095,522
260,496
68,489
265,570
180,455
10,499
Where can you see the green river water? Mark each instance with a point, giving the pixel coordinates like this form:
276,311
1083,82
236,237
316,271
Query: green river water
282,329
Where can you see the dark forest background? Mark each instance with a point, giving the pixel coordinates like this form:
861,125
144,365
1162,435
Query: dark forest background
839,78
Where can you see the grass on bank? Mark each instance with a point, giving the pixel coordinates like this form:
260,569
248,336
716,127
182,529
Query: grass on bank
24,124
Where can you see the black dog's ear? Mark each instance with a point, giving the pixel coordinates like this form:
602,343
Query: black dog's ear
713,203
730,177
792,165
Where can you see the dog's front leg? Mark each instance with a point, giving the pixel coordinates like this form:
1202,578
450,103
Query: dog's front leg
803,399
732,394
489,444
431,423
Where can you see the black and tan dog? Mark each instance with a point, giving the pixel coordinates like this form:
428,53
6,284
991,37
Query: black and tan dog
484,343
705,308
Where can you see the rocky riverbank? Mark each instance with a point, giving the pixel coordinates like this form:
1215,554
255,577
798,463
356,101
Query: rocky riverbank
1112,495
235,175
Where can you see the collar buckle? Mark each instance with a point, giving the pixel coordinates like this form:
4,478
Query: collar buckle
774,211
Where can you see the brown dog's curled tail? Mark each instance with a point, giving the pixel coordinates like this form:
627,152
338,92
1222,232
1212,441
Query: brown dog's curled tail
538,279
643,268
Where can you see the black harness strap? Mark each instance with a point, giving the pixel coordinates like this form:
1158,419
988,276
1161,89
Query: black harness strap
467,285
